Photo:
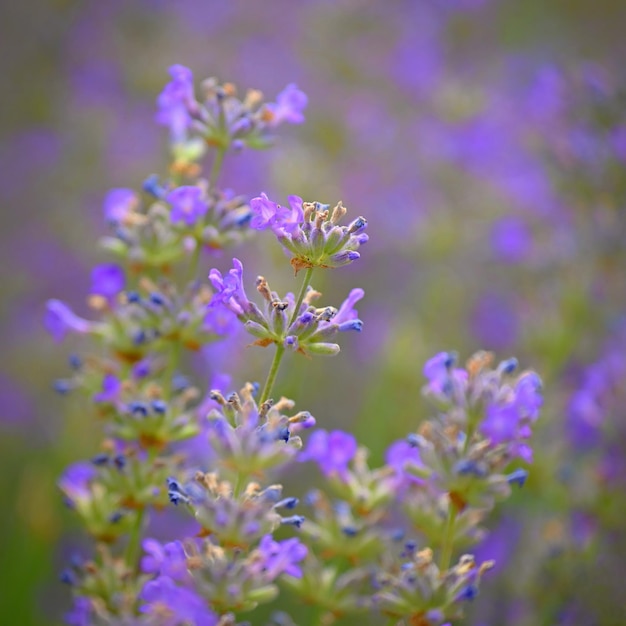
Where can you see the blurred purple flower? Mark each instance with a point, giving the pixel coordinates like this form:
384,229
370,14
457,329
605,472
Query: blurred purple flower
290,103
398,455
331,451
508,421
165,559
511,240
220,320
442,376
60,319
175,101
347,312
172,605
229,289
268,214
74,481
118,204
280,557
107,280
111,389
187,204
81,613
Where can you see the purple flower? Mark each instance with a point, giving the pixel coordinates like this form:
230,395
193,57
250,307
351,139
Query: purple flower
187,204
501,423
118,204
165,559
172,605
442,377
111,389
175,101
60,319
584,419
279,557
81,613
331,451
511,240
508,421
282,220
229,289
289,105
220,320
398,456
347,312
107,280
74,482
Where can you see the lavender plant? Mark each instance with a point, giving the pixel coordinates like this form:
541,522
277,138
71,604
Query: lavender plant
391,540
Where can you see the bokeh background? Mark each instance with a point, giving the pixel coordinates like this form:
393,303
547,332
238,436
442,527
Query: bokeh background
484,140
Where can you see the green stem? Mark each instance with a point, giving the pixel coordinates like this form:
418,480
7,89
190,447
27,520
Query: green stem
305,285
134,541
280,349
216,167
448,539
195,259
172,366
271,377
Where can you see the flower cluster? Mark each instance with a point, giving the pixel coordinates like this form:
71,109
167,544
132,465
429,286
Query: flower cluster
293,324
381,539
219,118
310,231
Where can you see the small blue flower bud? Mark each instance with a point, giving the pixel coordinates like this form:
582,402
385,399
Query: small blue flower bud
120,461
62,386
350,531
312,497
466,466
100,459
138,409
157,298
179,383
133,297
357,225
287,503
68,577
283,434
467,593
351,325
294,520
114,518
414,440
158,406
175,492
518,477
508,366
139,337
151,185
272,494
75,361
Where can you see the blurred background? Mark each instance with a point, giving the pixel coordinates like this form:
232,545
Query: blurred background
485,142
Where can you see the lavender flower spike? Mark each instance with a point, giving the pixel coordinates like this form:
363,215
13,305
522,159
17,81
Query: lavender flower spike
311,231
